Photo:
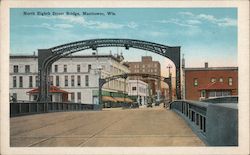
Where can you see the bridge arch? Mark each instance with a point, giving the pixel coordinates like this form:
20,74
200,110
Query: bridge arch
103,81
46,57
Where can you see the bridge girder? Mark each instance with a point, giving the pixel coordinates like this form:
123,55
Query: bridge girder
55,53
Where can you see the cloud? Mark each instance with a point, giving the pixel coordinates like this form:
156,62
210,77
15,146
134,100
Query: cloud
91,24
49,26
222,22
63,26
132,25
182,23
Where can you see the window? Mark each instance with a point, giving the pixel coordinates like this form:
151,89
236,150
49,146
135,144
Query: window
89,68
27,68
14,81
211,94
78,80
14,96
37,81
86,80
30,81
57,81
73,97
195,82
226,93
213,79
51,80
20,81
133,88
218,93
66,81
78,68
230,81
64,68
72,80
15,69
79,97
220,79
56,68
203,93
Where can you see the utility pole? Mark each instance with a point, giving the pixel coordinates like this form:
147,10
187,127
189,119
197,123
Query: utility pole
170,85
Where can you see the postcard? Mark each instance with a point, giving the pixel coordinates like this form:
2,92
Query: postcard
124,77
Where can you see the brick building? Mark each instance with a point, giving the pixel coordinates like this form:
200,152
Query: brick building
147,66
209,82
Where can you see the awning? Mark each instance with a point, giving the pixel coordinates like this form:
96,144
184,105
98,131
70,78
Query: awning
108,98
52,89
121,99
128,100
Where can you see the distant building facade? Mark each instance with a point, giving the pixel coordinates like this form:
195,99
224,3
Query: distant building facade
210,82
77,75
139,91
148,66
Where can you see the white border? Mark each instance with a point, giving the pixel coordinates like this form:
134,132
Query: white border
243,63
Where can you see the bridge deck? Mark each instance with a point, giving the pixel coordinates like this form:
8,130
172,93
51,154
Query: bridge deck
131,127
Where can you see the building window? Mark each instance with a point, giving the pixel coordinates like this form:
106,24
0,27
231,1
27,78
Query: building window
20,81
72,80
73,97
203,93
86,80
79,97
14,81
66,81
56,68
195,82
57,81
15,69
213,79
51,80
78,80
89,68
27,68
221,79
37,81
230,81
78,68
211,94
30,81
14,96
64,68
133,88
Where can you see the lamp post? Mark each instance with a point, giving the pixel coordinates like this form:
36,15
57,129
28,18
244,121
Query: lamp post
170,84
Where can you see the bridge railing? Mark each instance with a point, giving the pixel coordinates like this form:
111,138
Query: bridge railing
28,108
215,124
224,99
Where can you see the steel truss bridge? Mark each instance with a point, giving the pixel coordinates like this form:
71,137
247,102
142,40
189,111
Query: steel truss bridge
46,57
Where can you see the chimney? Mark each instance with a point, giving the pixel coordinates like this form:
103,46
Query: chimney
206,64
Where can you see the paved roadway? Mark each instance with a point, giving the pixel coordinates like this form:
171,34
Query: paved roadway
110,127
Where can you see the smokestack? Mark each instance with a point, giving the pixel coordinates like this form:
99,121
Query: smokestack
206,64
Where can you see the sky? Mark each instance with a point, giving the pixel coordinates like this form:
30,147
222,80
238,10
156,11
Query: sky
204,34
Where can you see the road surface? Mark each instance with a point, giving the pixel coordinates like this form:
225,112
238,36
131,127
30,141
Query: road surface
142,127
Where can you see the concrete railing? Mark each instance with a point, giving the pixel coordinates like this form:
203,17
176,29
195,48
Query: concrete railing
225,99
215,124
28,108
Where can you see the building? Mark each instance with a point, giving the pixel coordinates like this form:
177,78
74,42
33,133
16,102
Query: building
210,82
138,90
148,66
77,74
56,94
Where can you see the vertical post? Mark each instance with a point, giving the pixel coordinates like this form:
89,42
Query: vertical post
124,95
100,92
